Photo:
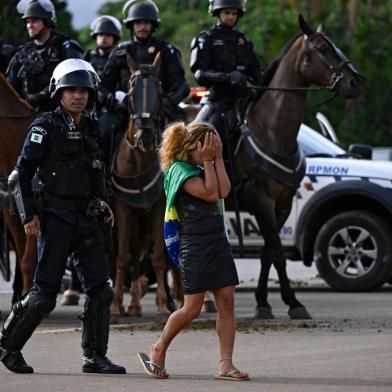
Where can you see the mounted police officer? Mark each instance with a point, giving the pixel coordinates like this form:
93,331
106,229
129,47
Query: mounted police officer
223,60
141,17
32,65
106,31
61,154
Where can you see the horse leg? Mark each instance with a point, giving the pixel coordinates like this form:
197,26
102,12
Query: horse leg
273,253
208,304
134,308
122,258
177,290
263,308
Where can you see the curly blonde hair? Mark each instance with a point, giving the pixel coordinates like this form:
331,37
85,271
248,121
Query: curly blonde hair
178,139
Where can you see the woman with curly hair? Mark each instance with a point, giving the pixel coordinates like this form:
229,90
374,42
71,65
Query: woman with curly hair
195,183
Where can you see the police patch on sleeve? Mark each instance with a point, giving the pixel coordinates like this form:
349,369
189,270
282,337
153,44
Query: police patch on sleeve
37,134
36,138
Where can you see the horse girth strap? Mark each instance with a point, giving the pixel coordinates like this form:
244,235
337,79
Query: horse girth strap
288,170
141,190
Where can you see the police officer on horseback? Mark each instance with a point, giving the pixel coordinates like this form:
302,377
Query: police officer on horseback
106,31
64,209
32,65
223,60
141,17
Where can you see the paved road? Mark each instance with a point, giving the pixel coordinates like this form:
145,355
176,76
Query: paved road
346,347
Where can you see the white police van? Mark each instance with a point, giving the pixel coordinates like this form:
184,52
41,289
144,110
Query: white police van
341,217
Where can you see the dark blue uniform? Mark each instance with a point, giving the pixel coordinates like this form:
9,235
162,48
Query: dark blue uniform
32,66
64,159
171,73
222,60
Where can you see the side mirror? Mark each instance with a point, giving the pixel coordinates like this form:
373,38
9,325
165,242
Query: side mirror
364,151
326,128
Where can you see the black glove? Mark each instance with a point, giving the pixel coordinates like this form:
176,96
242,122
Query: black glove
109,100
237,78
35,100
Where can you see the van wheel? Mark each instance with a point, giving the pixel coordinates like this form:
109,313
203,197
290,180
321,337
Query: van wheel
353,251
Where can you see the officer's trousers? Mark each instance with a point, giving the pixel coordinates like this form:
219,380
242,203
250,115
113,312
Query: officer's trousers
63,233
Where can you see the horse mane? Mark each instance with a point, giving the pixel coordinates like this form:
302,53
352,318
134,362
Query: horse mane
270,71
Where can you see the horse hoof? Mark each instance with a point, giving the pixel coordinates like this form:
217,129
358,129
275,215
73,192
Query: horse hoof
171,306
117,311
264,313
208,306
70,300
299,313
161,318
114,319
134,311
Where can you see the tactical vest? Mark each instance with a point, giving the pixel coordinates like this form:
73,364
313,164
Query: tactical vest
142,53
230,49
97,61
71,168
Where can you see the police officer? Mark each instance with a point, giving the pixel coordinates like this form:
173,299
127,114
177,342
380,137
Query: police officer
33,64
142,18
61,154
106,31
223,60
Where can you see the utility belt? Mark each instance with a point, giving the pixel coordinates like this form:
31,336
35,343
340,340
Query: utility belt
89,207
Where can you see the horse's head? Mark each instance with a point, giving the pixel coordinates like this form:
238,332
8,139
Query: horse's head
145,103
326,65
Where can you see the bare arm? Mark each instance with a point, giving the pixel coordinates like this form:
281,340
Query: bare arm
224,185
205,188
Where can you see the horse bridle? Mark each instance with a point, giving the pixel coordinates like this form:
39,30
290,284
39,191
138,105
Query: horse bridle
336,71
143,115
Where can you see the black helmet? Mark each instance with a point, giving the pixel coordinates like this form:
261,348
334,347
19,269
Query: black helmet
38,9
106,24
74,73
141,10
217,5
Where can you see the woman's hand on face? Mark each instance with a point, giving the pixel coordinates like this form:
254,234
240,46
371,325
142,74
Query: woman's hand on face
218,145
207,151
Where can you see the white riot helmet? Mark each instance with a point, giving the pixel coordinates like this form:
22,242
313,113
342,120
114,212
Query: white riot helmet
38,9
74,73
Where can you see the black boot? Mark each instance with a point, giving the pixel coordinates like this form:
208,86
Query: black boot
24,318
99,364
95,334
15,362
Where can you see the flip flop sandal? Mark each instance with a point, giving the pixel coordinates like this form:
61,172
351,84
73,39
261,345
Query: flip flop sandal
147,362
230,376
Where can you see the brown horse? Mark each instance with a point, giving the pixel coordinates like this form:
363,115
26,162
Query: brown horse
269,165
138,188
15,117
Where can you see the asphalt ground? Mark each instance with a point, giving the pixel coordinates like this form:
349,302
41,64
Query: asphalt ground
346,347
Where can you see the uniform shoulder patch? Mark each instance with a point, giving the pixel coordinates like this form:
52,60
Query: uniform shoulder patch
37,134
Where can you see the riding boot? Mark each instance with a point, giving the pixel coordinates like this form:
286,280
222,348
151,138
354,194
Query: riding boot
24,318
95,334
